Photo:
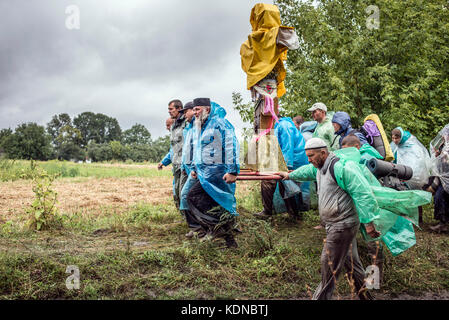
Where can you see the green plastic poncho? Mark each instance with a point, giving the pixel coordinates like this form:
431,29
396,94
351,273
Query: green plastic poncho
368,152
325,131
391,211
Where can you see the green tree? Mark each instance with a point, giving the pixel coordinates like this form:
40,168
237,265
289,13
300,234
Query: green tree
160,148
68,144
97,127
99,152
399,71
138,134
118,151
56,123
4,133
29,141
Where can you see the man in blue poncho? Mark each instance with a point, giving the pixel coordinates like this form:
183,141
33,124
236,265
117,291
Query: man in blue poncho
187,166
342,126
211,200
292,145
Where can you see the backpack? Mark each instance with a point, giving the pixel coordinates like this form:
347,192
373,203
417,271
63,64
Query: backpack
370,131
374,132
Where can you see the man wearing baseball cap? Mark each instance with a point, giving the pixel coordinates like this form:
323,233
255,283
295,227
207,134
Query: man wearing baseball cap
324,129
337,209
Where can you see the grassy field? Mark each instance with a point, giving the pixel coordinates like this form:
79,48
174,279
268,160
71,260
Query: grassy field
118,225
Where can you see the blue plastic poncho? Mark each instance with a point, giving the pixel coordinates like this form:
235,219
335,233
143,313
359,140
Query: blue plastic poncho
167,159
344,120
412,153
187,148
291,142
307,129
187,164
215,153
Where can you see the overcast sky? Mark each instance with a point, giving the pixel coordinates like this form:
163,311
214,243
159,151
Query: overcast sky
127,59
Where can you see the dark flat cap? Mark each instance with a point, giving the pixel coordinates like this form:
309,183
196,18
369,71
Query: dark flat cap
187,106
201,102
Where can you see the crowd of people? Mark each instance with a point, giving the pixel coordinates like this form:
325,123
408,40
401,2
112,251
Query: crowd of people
326,156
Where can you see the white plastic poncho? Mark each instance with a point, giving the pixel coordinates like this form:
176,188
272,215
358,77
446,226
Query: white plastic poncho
439,161
412,153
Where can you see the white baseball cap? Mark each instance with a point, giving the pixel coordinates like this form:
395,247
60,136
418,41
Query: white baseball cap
315,143
318,105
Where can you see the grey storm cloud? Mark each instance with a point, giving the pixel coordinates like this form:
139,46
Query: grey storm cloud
127,60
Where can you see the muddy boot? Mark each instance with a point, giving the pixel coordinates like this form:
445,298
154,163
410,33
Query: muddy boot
440,227
262,215
237,230
190,235
296,216
230,242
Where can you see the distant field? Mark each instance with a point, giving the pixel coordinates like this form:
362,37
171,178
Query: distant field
119,226
70,169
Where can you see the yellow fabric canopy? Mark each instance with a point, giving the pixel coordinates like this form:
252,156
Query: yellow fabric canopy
260,54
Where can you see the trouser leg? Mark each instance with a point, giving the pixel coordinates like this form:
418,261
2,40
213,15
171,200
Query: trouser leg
193,225
182,182
176,185
268,188
290,203
208,214
356,272
441,205
333,257
420,212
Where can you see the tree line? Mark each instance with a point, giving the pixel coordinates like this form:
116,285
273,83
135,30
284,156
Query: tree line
89,135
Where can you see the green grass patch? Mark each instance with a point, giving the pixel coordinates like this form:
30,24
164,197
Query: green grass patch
11,170
140,252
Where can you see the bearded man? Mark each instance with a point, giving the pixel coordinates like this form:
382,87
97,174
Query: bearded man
211,200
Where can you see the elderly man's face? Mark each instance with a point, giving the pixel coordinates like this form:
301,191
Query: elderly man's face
317,157
172,111
199,110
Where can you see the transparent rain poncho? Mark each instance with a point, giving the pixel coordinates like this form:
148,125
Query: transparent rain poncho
439,161
412,153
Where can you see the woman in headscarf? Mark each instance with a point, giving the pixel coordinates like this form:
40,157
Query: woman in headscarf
409,151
